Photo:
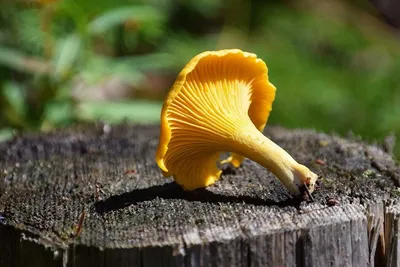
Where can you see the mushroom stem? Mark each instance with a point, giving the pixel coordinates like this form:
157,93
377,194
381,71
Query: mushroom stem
257,147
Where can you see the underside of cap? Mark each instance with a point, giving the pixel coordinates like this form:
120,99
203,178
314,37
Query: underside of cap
215,95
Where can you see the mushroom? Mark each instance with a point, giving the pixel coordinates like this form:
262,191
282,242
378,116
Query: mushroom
220,102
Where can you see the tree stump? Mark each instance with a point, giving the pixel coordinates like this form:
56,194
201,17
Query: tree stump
94,196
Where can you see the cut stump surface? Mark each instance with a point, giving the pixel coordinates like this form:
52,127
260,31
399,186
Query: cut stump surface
94,196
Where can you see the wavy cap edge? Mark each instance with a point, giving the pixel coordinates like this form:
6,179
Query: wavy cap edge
165,131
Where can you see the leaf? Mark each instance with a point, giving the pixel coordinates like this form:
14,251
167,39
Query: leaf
155,61
18,61
5,134
113,112
15,97
66,54
117,16
25,30
99,68
58,112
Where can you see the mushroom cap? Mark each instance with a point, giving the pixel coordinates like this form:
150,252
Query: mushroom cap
217,94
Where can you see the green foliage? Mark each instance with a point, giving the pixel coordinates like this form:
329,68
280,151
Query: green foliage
118,16
54,47
70,61
5,133
66,55
333,74
115,112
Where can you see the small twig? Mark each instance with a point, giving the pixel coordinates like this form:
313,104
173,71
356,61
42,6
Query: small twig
308,192
99,191
80,225
132,171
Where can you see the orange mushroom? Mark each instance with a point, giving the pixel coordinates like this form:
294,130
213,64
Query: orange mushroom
221,102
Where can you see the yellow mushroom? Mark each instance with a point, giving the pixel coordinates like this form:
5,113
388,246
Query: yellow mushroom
221,102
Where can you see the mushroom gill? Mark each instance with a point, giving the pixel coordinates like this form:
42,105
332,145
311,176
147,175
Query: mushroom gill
221,102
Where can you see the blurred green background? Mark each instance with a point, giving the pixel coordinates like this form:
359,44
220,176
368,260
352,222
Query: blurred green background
336,64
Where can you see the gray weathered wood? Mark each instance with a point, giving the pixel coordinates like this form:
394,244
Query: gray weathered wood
142,219
392,235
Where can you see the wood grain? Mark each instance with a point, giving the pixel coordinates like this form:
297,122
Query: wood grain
136,217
